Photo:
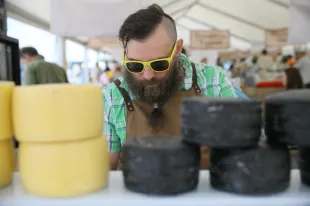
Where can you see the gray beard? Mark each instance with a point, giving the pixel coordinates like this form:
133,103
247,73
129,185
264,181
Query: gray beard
166,88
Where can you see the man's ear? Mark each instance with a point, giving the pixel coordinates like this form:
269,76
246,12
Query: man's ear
179,46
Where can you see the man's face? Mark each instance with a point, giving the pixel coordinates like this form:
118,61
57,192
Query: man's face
26,59
149,85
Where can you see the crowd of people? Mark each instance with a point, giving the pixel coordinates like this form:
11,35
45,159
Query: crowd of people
293,71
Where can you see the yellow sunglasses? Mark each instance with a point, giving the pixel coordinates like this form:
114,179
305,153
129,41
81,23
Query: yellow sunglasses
157,65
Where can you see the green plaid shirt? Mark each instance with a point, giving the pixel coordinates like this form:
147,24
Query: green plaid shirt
211,80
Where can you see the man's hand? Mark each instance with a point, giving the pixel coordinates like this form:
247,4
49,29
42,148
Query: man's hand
114,159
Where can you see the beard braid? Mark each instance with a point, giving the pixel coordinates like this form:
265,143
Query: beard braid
160,94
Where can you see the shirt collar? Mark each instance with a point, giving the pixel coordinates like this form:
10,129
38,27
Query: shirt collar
37,58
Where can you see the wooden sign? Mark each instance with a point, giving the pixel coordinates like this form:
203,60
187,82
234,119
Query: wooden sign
229,55
210,39
232,55
98,43
276,38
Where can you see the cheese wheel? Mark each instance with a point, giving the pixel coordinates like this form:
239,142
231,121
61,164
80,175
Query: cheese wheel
260,170
280,127
160,165
240,122
6,162
64,169
58,112
6,128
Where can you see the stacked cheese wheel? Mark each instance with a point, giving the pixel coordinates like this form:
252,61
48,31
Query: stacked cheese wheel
59,127
288,123
6,133
162,165
231,128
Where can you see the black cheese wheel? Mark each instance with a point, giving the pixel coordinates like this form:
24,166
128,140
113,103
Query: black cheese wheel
304,165
221,122
257,171
287,116
162,165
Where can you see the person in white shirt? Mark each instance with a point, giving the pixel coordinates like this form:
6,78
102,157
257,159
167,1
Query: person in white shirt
303,64
265,61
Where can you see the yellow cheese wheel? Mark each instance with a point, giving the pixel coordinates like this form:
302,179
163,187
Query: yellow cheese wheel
64,169
58,112
6,162
6,91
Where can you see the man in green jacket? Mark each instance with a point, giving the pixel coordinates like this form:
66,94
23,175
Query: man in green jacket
39,71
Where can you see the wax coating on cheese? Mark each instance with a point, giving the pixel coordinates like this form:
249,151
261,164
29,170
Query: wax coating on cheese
221,122
287,118
6,162
57,112
162,165
6,92
259,170
64,169
304,165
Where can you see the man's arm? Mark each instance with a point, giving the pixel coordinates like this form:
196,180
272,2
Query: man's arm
110,133
29,76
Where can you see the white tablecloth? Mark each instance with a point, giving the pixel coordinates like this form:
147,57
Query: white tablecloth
116,195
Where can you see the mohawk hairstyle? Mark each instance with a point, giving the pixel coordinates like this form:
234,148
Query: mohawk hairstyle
143,23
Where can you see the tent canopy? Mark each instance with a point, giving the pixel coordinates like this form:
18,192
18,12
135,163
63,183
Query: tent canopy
246,20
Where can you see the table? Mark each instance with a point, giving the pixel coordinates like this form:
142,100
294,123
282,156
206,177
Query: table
116,195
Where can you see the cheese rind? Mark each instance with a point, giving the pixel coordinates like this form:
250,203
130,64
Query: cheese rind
59,112
280,127
64,169
6,162
6,92
260,170
161,165
240,120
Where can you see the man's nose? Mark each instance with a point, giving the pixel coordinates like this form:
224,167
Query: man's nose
148,73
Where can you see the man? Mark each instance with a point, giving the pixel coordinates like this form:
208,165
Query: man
204,60
39,71
291,77
265,61
147,100
303,64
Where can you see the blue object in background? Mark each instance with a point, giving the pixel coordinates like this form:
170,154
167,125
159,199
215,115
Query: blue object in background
240,94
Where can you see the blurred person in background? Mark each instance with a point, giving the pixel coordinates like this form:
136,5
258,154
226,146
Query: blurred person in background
95,74
239,68
41,56
204,60
303,64
291,78
106,76
265,61
219,62
117,71
38,71
78,74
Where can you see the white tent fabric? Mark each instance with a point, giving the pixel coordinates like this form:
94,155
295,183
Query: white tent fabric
246,19
299,30
90,18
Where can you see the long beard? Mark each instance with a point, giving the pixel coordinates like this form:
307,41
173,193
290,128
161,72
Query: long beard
160,94
165,88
